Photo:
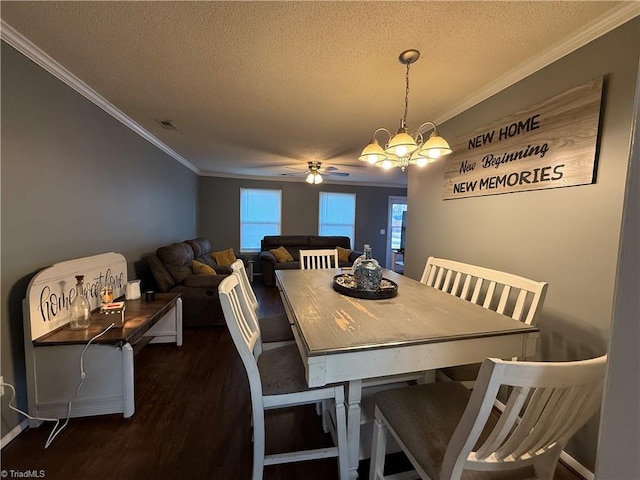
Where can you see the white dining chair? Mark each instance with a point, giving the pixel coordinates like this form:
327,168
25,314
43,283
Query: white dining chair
275,330
318,259
277,380
445,429
507,294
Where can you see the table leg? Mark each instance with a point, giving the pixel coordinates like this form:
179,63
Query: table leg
128,400
354,395
179,322
250,270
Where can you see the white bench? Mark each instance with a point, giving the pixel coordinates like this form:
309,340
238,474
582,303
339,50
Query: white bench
505,293
53,351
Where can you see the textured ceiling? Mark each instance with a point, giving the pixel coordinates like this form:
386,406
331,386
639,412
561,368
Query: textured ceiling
256,87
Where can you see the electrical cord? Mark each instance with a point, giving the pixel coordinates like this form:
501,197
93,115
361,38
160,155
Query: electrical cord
55,431
15,409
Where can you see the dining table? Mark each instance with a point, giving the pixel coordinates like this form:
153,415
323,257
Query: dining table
346,339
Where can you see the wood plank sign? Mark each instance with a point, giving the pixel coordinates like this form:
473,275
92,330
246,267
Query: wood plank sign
51,291
548,145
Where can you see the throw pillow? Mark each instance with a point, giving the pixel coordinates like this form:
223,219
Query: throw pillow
343,254
282,255
200,268
224,257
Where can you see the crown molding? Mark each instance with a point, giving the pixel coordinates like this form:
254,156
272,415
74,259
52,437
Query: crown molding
593,30
22,44
285,179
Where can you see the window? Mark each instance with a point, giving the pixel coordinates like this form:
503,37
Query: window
259,216
398,225
337,214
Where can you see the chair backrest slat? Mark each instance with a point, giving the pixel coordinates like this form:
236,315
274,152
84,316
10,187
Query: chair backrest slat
518,309
430,279
465,289
319,259
455,289
447,282
476,291
488,298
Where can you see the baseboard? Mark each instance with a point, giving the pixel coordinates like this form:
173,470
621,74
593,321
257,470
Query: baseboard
576,466
21,427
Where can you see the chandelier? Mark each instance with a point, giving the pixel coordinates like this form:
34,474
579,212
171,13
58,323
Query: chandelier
404,149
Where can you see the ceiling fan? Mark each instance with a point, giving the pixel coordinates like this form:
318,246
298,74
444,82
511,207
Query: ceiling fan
315,172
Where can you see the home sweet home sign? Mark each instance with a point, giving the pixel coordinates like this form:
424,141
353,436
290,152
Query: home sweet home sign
51,291
548,145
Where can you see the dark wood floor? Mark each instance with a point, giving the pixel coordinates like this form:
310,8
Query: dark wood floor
192,421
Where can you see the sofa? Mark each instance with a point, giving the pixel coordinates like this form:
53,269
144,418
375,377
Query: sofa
173,270
293,244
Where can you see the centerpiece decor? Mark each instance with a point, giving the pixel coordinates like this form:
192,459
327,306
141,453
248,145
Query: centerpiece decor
366,280
367,271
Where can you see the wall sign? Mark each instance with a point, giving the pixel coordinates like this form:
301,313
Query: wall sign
51,291
549,145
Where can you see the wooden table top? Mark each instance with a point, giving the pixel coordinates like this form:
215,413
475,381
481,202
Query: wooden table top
139,316
331,322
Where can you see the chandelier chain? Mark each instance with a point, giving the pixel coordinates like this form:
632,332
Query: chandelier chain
406,98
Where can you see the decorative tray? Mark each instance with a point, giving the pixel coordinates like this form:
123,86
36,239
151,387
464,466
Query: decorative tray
346,284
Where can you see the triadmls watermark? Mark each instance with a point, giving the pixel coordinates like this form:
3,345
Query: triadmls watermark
22,473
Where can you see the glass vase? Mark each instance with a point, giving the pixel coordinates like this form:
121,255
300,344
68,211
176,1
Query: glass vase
367,271
80,312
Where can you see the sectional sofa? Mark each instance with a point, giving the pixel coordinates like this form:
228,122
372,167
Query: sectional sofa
293,244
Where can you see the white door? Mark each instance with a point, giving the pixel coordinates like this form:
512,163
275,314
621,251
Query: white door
397,206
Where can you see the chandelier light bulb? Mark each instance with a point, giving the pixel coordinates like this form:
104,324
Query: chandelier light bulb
372,153
387,164
435,147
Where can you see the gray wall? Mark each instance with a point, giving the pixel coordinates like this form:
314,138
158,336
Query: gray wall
219,218
620,431
567,236
75,182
